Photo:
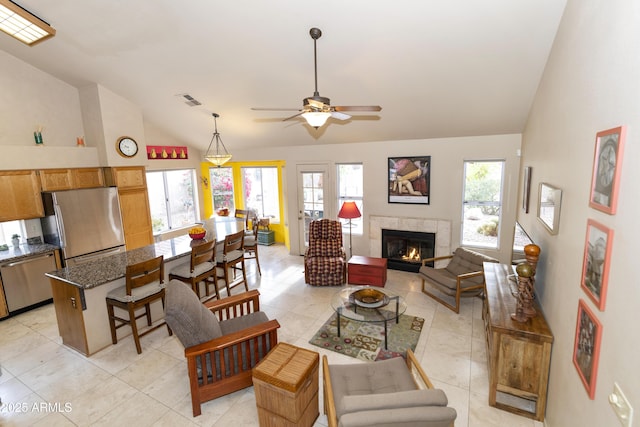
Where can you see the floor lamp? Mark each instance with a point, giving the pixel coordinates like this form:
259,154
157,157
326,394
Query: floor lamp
349,210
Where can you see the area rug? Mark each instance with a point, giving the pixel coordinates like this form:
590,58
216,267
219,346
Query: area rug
365,341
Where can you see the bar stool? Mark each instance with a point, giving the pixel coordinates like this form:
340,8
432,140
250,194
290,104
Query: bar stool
232,255
201,268
144,284
251,243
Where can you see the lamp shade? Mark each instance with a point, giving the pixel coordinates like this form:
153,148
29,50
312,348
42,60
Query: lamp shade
316,118
349,210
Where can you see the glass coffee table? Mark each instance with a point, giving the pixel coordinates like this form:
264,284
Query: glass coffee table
368,304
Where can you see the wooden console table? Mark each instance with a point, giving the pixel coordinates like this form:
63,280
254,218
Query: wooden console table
519,354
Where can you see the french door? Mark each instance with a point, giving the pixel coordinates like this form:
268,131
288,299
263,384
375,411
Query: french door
314,199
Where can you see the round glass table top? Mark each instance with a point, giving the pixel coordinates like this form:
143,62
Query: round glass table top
368,304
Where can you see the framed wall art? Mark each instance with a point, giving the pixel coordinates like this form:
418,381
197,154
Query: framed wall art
526,190
595,266
586,349
607,161
549,200
409,179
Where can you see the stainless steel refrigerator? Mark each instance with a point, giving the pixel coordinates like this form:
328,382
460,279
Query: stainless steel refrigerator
86,224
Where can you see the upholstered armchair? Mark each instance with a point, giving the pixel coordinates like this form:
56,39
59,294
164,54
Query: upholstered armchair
325,260
391,392
223,340
463,276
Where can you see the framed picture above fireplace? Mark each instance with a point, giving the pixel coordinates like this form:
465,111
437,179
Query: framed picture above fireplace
409,179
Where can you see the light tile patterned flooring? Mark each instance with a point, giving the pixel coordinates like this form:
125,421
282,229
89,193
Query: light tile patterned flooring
44,383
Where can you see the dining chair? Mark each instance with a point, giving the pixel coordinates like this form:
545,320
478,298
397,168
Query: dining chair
144,284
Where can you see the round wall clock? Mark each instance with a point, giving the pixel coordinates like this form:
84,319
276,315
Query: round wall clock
126,146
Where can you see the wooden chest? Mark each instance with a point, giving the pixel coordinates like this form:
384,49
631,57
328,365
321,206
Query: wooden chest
286,387
266,237
364,270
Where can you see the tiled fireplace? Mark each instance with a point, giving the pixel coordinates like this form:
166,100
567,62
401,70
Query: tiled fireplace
405,250
441,229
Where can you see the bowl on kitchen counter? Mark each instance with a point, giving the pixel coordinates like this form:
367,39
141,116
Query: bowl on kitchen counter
197,236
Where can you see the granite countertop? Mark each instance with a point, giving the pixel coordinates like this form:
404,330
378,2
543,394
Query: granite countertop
25,251
107,269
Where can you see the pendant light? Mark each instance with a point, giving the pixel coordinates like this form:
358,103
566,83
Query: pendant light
218,157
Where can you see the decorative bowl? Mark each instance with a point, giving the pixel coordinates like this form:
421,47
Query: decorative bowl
223,212
197,236
370,298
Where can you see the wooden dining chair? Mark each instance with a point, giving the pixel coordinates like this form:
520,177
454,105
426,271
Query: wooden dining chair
144,284
232,258
201,268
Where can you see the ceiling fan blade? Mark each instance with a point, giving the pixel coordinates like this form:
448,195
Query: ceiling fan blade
340,116
292,117
357,108
275,109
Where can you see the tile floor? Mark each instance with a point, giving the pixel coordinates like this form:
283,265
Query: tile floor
45,383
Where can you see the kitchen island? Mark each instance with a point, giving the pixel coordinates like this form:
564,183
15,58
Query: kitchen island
80,291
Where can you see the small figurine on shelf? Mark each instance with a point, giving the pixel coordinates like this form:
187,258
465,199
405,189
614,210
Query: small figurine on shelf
37,135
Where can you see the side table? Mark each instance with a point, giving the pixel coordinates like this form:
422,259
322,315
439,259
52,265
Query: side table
364,270
286,387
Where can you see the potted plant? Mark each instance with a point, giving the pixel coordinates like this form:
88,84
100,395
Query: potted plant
15,239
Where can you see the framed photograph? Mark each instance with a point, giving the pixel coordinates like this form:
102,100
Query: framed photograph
607,160
586,349
549,200
409,179
595,266
526,190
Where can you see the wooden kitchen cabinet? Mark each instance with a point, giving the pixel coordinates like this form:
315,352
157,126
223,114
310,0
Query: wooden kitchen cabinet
68,302
4,310
134,204
20,195
69,179
519,354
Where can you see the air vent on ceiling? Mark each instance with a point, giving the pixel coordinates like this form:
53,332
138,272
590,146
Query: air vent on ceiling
190,100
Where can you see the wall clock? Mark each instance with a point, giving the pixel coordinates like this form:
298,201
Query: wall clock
126,146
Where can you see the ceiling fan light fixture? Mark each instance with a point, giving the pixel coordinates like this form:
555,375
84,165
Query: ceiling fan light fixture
218,156
316,118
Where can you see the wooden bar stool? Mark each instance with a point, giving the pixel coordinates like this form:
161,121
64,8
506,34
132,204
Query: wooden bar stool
251,243
201,268
232,257
144,284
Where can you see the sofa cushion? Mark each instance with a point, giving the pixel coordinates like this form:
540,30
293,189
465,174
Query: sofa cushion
401,399
236,324
467,261
187,317
432,416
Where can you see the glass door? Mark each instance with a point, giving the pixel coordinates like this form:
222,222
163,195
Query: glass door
312,180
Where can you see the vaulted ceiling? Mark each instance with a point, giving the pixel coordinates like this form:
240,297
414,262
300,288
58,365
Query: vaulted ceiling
438,68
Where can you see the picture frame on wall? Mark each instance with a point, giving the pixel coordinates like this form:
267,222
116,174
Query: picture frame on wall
409,179
596,261
549,202
607,161
586,349
526,190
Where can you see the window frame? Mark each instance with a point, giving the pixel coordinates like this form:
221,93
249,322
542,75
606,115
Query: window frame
357,224
499,204
168,201
261,213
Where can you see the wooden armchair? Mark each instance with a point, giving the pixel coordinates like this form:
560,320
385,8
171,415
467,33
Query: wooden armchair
384,393
462,275
223,339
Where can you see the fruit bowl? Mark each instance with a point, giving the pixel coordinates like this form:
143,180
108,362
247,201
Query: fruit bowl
197,236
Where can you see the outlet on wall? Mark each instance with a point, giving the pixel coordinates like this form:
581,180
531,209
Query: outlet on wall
621,406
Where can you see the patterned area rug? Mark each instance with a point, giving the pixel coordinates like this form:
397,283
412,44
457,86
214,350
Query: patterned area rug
365,341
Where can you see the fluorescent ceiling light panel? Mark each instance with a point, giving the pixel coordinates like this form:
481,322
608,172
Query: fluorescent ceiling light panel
23,25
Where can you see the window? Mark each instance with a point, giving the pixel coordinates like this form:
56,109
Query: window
222,188
9,228
261,192
172,199
482,204
350,188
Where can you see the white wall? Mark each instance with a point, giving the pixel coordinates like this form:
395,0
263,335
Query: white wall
591,83
447,156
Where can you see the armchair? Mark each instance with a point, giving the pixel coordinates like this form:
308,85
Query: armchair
223,340
462,275
391,392
325,260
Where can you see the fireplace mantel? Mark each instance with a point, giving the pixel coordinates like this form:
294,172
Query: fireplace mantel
441,227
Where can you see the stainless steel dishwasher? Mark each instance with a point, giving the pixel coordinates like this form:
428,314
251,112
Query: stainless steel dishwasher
24,281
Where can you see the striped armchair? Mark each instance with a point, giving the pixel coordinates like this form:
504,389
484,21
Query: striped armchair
325,262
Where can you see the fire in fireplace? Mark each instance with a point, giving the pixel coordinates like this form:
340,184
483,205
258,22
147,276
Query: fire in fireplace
405,250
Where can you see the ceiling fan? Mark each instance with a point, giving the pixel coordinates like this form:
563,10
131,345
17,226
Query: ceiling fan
317,109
